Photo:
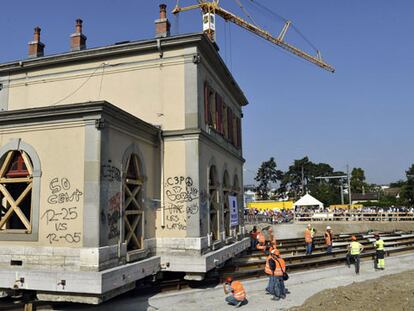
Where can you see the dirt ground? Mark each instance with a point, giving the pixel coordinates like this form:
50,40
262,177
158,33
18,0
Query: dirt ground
393,292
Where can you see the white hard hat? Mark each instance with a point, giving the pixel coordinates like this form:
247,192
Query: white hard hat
328,228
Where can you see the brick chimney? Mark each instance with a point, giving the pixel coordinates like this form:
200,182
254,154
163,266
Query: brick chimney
77,39
36,48
162,25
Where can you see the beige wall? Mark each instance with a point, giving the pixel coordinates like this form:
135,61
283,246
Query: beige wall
61,152
147,86
116,145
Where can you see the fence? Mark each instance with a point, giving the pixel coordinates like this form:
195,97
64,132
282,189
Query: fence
354,216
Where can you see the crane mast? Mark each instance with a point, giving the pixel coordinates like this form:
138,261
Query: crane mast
210,9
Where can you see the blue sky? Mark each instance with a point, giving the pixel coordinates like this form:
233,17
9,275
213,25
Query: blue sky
361,115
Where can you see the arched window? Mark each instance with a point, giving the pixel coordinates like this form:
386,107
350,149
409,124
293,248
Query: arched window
133,182
16,184
214,206
226,208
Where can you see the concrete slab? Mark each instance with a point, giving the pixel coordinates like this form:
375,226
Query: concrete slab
301,284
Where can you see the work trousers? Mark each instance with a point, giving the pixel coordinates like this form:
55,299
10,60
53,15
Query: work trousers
276,286
355,259
308,248
329,248
380,263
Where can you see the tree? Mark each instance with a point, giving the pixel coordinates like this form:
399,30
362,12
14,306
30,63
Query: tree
407,190
358,184
267,174
301,178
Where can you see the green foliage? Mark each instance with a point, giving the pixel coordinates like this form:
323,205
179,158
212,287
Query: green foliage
301,177
407,190
266,175
358,184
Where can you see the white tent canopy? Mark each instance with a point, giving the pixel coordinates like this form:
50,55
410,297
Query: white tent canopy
308,200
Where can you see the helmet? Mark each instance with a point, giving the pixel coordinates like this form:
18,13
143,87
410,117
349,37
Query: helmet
353,238
228,279
328,227
275,252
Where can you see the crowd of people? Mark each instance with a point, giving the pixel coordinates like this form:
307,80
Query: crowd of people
355,214
275,216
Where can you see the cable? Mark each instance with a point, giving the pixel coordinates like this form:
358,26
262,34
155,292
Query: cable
274,14
245,12
80,86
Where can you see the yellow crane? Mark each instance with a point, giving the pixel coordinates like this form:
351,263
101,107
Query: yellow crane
211,8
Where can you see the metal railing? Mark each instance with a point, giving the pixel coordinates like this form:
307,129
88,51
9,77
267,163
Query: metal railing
354,216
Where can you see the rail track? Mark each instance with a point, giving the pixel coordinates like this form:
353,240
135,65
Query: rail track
251,264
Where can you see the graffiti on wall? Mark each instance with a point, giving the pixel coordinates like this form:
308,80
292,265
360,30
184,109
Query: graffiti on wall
62,212
110,173
181,202
113,215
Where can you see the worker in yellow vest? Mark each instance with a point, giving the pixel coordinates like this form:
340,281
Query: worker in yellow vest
354,251
236,290
380,253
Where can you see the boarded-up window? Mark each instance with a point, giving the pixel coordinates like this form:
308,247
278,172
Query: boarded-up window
16,184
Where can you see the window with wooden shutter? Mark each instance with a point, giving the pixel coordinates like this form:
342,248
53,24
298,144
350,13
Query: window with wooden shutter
16,182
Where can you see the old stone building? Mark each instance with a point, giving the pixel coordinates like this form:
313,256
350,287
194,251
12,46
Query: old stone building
118,162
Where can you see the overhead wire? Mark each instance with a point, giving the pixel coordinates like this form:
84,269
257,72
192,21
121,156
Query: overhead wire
273,14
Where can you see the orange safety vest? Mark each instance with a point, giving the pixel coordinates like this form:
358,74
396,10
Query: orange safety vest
328,240
238,290
261,238
308,236
280,266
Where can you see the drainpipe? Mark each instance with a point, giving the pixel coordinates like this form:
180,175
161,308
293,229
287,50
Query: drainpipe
162,179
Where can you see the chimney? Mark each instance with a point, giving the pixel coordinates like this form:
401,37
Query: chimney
77,39
162,25
36,48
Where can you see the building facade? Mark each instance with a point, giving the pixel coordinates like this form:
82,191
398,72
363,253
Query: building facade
118,161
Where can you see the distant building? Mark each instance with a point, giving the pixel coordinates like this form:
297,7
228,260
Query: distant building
364,197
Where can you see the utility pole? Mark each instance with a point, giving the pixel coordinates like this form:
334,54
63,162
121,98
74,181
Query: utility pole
349,186
303,182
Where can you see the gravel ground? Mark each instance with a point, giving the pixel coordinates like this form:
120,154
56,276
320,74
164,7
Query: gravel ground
391,292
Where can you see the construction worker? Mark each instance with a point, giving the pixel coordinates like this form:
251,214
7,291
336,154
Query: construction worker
380,253
253,238
272,238
328,239
261,239
354,250
308,239
237,295
275,268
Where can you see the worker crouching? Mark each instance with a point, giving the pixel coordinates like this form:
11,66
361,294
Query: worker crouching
354,251
237,295
276,269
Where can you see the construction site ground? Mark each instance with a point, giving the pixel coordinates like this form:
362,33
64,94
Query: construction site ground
319,289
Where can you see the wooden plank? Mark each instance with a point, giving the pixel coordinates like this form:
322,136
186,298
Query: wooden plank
27,162
13,206
5,180
6,163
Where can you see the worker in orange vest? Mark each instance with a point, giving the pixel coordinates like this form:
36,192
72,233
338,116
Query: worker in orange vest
237,295
308,239
276,268
253,238
272,238
261,245
328,239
